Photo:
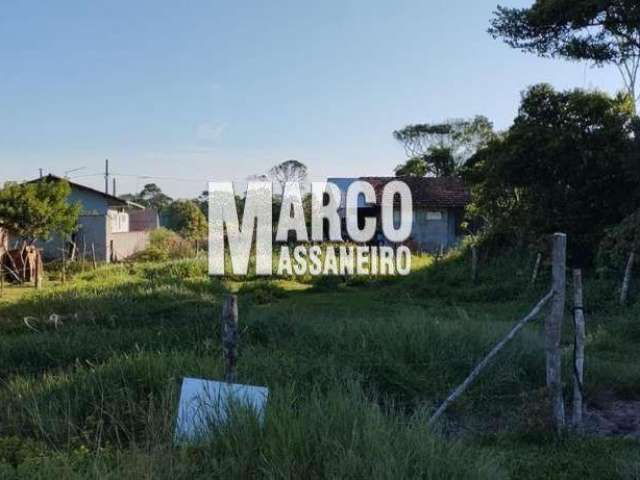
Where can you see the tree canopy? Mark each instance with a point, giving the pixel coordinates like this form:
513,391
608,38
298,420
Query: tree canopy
38,209
288,171
600,31
439,149
186,218
151,196
567,164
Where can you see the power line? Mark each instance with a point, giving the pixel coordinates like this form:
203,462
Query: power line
157,177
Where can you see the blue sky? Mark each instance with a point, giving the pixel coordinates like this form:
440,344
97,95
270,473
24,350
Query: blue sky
218,90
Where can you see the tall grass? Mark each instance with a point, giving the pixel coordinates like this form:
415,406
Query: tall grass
353,367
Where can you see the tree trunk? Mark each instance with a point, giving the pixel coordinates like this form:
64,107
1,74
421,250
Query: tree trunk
553,331
578,352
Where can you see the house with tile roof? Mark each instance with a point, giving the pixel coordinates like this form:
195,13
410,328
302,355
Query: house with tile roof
438,208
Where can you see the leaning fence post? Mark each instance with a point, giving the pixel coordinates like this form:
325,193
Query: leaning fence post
536,268
459,390
229,328
553,330
624,291
474,263
578,351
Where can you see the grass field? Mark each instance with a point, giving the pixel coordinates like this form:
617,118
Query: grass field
354,369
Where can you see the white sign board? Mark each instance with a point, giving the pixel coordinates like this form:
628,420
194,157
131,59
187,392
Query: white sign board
205,404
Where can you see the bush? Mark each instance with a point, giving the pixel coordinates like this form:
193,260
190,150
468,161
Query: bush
618,242
172,271
263,292
165,245
327,283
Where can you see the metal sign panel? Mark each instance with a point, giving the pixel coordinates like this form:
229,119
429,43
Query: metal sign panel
205,404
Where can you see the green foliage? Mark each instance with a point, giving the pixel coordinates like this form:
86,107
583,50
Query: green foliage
414,167
618,242
36,210
327,283
185,218
165,245
15,451
596,31
565,165
352,377
605,31
439,149
263,292
151,196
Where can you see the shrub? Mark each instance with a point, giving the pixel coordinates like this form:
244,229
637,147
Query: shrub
165,245
618,242
263,292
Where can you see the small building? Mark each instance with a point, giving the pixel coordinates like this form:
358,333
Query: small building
114,228
438,208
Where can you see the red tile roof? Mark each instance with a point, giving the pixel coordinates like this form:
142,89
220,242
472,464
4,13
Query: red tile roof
428,192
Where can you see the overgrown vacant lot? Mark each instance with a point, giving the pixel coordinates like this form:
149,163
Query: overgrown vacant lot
354,369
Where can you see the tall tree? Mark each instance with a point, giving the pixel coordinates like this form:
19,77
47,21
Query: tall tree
288,171
439,149
151,196
567,164
186,218
38,209
598,31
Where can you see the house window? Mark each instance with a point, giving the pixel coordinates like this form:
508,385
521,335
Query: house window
434,215
119,221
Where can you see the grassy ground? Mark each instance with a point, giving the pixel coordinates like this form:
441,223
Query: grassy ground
354,369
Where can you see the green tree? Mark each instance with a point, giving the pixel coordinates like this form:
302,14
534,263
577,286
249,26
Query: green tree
439,149
151,196
567,164
598,31
38,209
186,218
414,167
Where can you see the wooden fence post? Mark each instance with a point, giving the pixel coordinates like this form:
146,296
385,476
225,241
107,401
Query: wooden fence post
536,268
38,282
624,291
578,352
93,253
553,330
229,328
64,266
474,263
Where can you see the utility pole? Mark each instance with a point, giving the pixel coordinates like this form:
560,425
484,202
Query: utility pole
106,176
114,187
